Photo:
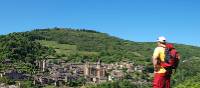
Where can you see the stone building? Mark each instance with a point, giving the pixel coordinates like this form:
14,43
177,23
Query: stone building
95,73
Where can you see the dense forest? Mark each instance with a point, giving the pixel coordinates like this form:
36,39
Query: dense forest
23,49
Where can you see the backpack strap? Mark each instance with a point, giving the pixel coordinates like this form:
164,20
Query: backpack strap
165,62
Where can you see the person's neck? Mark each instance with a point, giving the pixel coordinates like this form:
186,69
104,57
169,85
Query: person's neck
162,45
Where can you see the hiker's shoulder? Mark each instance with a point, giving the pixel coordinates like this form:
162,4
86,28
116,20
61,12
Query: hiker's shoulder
158,49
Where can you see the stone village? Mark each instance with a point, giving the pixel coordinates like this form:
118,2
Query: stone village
58,72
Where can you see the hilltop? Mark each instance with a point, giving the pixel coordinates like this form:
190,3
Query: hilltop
101,45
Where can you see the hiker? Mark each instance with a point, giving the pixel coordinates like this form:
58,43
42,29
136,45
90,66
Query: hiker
165,59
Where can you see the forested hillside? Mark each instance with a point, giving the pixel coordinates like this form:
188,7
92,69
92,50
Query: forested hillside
79,45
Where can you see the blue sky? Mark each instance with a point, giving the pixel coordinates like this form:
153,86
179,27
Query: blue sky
136,20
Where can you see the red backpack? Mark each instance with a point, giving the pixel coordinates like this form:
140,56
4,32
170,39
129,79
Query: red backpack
171,57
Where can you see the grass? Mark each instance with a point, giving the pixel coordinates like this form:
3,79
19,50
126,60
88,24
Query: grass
66,49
